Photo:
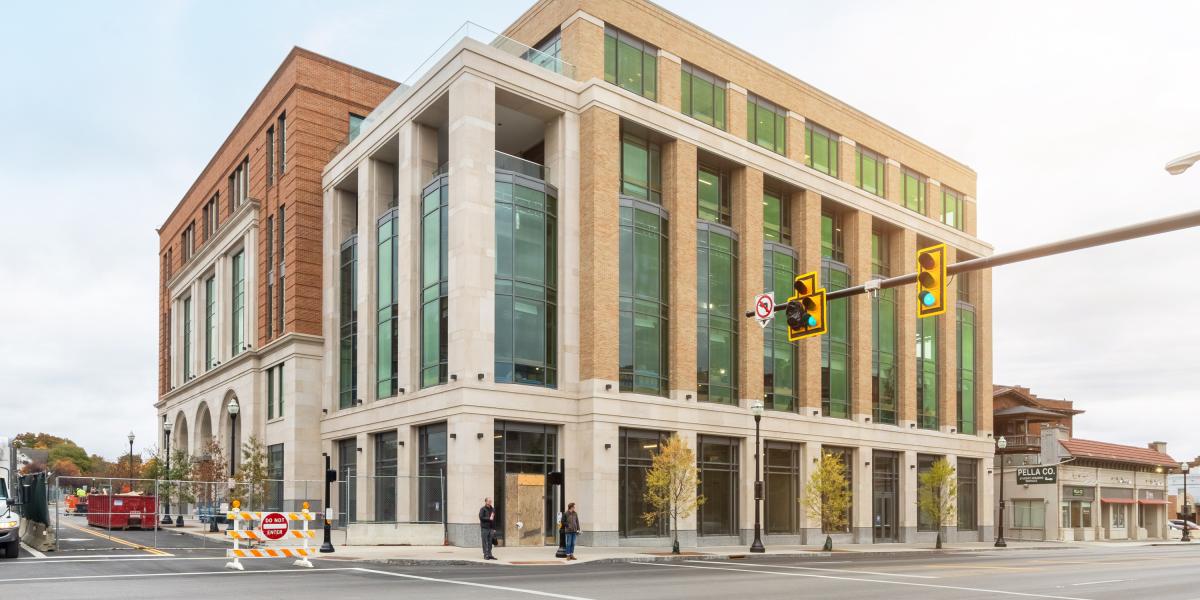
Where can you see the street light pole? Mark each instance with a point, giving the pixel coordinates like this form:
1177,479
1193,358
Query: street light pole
131,475
167,426
234,408
1001,444
327,544
1187,506
756,407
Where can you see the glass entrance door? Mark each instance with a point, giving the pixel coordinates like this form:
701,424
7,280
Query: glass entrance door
885,483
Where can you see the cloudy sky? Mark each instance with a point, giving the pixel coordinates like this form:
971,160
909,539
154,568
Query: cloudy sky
1066,110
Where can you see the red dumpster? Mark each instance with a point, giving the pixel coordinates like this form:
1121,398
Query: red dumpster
122,511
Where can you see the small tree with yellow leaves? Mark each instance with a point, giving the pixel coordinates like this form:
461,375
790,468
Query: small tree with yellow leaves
937,495
671,486
827,496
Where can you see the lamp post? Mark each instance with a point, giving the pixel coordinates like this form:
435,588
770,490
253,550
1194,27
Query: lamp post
167,427
131,474
756,407
1001,444
1187,505
330,475
234,408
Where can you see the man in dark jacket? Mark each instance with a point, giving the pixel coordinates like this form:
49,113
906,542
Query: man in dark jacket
487,527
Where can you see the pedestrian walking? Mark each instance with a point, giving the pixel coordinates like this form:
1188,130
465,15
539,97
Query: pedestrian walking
571,529
487,528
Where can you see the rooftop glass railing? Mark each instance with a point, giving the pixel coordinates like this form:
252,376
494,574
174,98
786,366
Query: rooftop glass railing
507,162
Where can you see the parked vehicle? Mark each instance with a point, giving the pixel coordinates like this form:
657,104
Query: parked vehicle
10,521
1177,525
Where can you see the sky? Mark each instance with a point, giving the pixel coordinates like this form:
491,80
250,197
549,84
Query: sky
1067,111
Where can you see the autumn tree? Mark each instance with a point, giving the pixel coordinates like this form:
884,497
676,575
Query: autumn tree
64,468
252,473
671,486
937,495
827,496
208,469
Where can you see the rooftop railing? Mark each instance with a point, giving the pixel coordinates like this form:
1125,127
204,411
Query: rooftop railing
507,162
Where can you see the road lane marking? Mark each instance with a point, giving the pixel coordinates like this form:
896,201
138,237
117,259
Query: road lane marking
860,579
195,573
118,540
1099,582
35,553
474,584
830,570
124,558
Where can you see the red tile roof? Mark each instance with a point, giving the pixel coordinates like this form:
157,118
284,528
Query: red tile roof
1116,452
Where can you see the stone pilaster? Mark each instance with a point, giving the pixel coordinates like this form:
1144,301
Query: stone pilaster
562,160
806,240
904,251
747,194
857,237
599,256
893,182
848,160
947,328
679,197
470,474
933,199
810,457
669,82
735,109
862,508
796,149
907,496
981,296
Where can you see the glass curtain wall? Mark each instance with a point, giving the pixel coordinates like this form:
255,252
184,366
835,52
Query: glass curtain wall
630,63
835,344
883,320
431,470
434,281
885,491
716,282
635,457
927,375
966,368
348,324
526,268
524,448
703,96
718,465
643,298
822,147
782,478
387,265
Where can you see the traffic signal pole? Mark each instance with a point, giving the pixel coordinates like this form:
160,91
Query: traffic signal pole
1092,240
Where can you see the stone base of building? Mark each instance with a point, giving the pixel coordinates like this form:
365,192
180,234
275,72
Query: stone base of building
394,534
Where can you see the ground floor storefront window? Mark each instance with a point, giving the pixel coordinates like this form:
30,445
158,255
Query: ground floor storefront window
431,471
718,464
635,457
885,487
968,490
782,479
524,453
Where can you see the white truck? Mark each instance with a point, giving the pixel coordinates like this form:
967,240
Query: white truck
10,521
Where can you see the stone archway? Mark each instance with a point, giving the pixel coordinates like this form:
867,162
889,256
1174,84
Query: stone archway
229,431
204,431
180,440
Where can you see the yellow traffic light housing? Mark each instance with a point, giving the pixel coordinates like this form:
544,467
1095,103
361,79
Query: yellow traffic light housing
931,281
806,308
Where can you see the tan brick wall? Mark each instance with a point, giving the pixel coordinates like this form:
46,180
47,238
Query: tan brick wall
599,268
848,162
747,192
583,46
856,227
947,329
933,200
679,198
795,140
806,240
893,183
735,113
669,83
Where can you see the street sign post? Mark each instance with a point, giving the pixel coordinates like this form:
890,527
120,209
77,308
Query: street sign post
274,526
764,308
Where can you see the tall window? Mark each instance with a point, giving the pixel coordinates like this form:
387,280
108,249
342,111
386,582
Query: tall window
1029,514
282,127
630,63
434,281
280,271
275,391
387,265
386,469
238,314
703,96
782,476
211,218
643,298
168,265
712,196
347,451
270,275
952,208
526,290
777,218
188,374
275,477
968,490
348,324
641,169
846,457
870,172
239,185
925,465
835,344
270,148
914,191
717,461
927,375
717,318
519,448
966,368
187,242
635,458
780,367
766,124
431,473
210,322
883,338
355,127
822,147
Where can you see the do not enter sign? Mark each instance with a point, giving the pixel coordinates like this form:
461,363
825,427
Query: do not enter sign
274,526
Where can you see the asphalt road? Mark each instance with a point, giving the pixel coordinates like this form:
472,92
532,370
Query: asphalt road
1094,573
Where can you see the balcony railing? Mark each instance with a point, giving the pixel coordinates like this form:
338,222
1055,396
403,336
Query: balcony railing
1022,441
510,163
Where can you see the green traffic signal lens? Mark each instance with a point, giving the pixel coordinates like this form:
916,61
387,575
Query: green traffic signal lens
811,320
928,299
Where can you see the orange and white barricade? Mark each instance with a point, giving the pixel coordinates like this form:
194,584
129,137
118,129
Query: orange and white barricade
273,526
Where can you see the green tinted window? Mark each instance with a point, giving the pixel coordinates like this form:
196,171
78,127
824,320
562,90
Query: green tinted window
187,339
952,208
526,298
777,217
238,318
643,300
927,375
966,369
210,322
712,199
914,191
835,344
387,264
780,367
870,172
348,324
630,63
883,338
822,146
703,96
434,288
831,237
717,319
766,124
641,169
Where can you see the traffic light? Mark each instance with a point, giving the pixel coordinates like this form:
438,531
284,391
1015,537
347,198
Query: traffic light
931,281
806,308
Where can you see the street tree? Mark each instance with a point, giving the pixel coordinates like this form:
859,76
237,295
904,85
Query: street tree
671,486
207,470
937,495
827,496
252,473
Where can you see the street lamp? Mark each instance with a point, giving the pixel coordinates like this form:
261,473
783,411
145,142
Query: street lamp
234,408
756,407
167,427
1182,163
131,475
1001,444
1187,506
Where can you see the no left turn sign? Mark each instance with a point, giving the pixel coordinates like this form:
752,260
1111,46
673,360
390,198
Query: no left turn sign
764,308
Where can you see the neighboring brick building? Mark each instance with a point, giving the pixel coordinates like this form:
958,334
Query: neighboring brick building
1019,416
240,255
544,255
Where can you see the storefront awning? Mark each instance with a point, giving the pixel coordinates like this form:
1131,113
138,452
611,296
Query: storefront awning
1118,501
1151,501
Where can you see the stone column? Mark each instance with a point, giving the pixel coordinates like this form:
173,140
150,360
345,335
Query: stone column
806,240
735,109
470,476
562,160
893,182
981,291
369,211
907,497
689,529
679,197
406,480
599,249
592,474
810,457
745,488
364,508
862,508
947,331
848,160
857,236
417,164
950,529
472,244
669,82
903,246
796,149
332,215
747,194
986,505
583,45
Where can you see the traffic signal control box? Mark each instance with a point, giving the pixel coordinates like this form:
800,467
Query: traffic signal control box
806,308
931,281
